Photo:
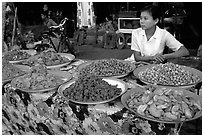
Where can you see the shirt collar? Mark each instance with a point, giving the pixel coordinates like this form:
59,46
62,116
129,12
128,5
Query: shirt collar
156,34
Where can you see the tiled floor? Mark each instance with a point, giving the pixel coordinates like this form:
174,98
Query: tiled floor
91,52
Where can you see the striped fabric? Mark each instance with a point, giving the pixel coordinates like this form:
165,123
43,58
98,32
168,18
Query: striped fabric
85,14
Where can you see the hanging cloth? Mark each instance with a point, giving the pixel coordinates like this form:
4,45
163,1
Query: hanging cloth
85,14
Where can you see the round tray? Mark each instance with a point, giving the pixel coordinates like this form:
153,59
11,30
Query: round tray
24,68
83,65
141,62
192,70
127,95
120,84
66,55
10,79
65,79
30,52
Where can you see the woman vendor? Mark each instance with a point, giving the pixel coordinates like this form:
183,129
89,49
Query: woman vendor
149,41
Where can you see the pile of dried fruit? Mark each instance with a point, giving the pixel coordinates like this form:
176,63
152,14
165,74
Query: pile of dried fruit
91,89
165,104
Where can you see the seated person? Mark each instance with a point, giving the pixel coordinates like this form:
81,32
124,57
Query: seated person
199,51
47,21
149,41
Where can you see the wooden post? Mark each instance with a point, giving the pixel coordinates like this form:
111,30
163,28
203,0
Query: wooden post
14,28
3,26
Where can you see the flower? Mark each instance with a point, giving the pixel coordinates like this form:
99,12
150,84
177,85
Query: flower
126,127
107,125
43,109
145,126
91,127
33,112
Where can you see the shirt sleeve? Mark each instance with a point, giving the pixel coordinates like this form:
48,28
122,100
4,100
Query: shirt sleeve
172,42
134,42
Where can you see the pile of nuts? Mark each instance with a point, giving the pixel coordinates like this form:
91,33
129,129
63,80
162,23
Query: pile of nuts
168,74
107,67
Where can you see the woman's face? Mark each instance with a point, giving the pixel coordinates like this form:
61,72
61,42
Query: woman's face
147,21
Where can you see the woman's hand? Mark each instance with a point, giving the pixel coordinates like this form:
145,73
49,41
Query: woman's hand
158,58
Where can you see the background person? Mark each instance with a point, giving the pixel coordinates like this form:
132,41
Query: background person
47,21
149,41
199,51
46,9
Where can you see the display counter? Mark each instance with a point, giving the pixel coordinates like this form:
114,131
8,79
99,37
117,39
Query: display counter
50,113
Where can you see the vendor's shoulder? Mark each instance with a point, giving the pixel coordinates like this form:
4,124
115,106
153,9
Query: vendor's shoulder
164,31
137,30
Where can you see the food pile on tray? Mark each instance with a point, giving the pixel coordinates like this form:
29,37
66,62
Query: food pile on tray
16,55
37,79
48,57
165,104
91,88
107,67
168,74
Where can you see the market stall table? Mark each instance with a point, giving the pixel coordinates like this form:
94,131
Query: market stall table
191,61
51,113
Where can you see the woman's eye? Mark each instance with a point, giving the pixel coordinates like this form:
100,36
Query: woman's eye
145,18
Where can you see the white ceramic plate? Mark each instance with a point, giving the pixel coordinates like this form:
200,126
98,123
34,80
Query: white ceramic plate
112,81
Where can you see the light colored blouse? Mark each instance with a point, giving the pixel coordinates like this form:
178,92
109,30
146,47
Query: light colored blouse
156,44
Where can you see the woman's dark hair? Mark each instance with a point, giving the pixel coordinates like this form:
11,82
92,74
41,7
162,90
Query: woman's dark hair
153,10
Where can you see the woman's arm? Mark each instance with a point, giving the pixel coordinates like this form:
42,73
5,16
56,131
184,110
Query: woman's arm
182,51
138,57
176,46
